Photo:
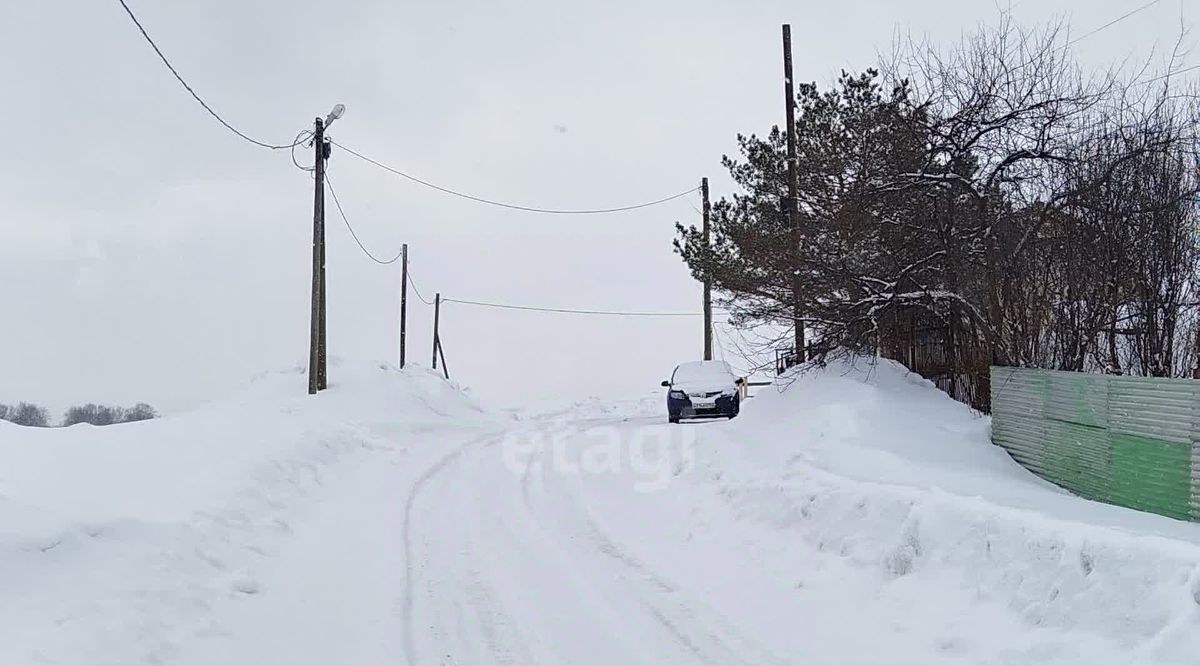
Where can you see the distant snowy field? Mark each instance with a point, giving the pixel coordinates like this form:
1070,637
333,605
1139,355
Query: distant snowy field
857,517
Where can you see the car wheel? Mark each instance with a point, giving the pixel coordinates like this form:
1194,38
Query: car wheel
672,419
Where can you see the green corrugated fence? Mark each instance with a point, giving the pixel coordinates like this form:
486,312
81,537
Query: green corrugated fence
1131,441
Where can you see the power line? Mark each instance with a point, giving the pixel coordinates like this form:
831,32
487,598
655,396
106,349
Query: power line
492,202
338,205
301,138
1113,22
417,291
1168,75
197,97
614,313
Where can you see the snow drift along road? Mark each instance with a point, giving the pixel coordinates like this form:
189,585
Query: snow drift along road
859,517
135,543
874,466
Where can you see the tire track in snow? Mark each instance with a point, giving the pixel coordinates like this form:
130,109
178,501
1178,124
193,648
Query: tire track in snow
500,632
466,612
409,565
707,635
470,621
713,629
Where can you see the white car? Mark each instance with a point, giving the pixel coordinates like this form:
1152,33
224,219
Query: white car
703,389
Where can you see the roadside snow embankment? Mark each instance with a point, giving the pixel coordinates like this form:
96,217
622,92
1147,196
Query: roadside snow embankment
877,467
122,544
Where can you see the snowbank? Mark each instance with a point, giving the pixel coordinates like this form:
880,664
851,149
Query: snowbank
857,517
117,542
877,467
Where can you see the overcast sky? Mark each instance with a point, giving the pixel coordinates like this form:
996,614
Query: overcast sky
149,254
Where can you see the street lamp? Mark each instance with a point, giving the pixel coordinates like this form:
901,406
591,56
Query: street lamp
338,111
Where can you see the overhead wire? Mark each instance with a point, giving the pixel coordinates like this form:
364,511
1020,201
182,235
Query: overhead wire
193,93
1113,22
531,308
501,204
1168,75
1117,20
418,292
408,273
342,213
306,134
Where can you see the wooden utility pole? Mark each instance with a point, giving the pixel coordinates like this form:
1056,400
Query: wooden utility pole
316,340
708,324
790,206
437,311
323,345
403,298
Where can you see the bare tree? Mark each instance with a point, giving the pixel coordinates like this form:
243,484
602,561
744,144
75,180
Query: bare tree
81,414
101,415
28,414
139,412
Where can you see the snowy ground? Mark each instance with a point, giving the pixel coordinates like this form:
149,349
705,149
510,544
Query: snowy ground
859,517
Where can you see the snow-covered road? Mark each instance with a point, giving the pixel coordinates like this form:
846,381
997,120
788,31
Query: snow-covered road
510,562
540,546
847,521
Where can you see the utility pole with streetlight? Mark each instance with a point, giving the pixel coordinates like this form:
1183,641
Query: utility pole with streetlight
317,345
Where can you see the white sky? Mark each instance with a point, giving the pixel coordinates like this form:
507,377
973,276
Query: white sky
148,254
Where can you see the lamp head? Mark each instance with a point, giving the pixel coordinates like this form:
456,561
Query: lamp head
338,111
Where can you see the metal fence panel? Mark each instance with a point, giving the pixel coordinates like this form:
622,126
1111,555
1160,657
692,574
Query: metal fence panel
1154,407
1131,441
1195,494
1017,420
